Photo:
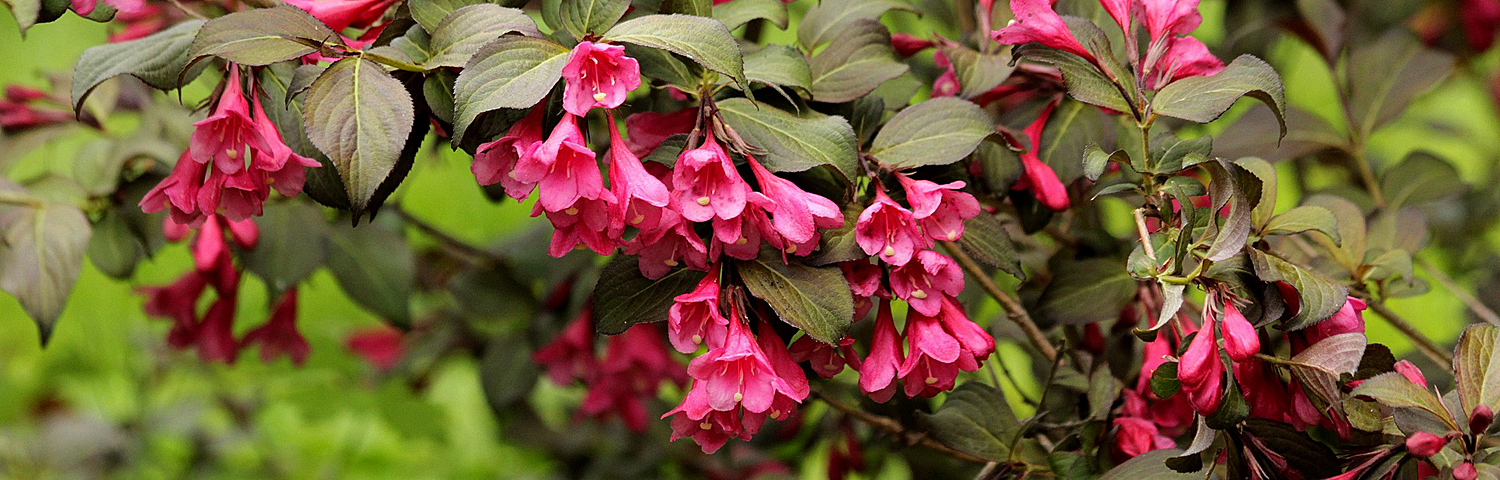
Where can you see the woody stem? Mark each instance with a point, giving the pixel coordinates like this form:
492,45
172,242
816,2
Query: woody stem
1426,345
1013,308
895,428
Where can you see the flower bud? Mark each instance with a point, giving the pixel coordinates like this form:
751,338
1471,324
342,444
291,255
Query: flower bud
1199,359
1465,471
1480,420
1423,444
1240,339
1411,372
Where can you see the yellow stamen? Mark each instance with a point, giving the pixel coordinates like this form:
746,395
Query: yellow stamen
571,211
791,249
704,200
670,262
918,294
599,97
889,251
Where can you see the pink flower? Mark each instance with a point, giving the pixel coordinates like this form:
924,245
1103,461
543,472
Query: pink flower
1347,320
1241,341
672,243
564,168
1207,396
740,237
244,232
923,283
930,366
1423,444
785,403
797,214
1263,389
1036,22
216,334
283,168
227,137
907,45
342,14
1170,17
942,209
179,303
946,85
826,360
649,129
712,429
1480,18
598,75
381,346
1411,372
738,372
974,343
584,224
639,196
1119,10
279,336
209,246
707,185
889,230
1200,359
877,374
496,161
635,363
1184,57
695,317
179,191
1134,436
85,7
570,356
1038,177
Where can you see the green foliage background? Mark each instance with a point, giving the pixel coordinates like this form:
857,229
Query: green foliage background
107,380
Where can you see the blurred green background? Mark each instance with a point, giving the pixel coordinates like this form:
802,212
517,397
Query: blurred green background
107,390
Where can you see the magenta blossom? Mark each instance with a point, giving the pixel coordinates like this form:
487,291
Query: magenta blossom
649,129
1036,22
215,338
227,137
712,429
584,224
932,356
785,403
496,161
1169,17
342,14
907,45
639,196
694,317
1241,341
635,364
738,372
942,209
1038,176
707,185
564,168
1135,436
598,75
570,356
179,303
826,360
740,237
1183,57
279,336
946,85
878,372
888,230
797,214
672,243
925,281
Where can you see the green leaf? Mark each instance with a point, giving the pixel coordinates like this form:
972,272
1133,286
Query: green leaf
704,40
779,65
1072,126
1420,178
360,117
739,12
977,72
1305,218
975,419
1476,367
512,72
1386,75
833,19
25,11
1350,251
1086,291
1172,154
114,247
1164,382
793,143
939,131
814,299
469,28
429,13
375,268
1233,186
1149,466
701,8
1095,161
1319,366
1318,296
858,61
665,66
41,254
1394,390
623,297
323,184
839,245
583,17
437,90
414,46
293,243
506,371
1267,174
985,239
262,36
1083,80
158,60
1204,99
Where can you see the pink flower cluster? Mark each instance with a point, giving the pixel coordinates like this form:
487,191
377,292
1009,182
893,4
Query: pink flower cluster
661,205
1170,56
18,109
212,333
234,159
634,366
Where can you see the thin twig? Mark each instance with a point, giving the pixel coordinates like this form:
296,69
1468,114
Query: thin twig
471,253
1013,308
895,428
1426,345
1140,229
1479,308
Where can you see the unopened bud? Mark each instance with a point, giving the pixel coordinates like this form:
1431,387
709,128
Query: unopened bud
1423,444
1480,420
1466,471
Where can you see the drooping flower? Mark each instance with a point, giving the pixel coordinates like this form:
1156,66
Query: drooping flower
974,343
1038,176
1036,22
1184,57
712,429
707,185
649,129
925,281
342,14
785,403
226,138
1424,444
932,354
216,334
740,237
1169,17
584,224
889,231
942,209
86,7
382,347
179,303
635,364
878,372
496,161
796,213
563,167
738,373
946,85
1135,436
907,45
1200,359
598,75
694,317
570,356
639,196
1241,341
826,360
279,336
18,110
672,243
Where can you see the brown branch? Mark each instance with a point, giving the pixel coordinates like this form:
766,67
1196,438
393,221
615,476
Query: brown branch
1426,345
472,254
895,428
1013,308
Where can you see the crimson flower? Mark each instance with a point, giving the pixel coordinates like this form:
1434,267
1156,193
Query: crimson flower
694,317
738,373
1036,22
888,230
942,209
570,356
1039,177
924,282
877,374
598,75
342,14
707,185
796,214
279,336
496,161
639,196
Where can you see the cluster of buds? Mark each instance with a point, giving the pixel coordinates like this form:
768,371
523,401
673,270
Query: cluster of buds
234,159
19,109
634,365
212,332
